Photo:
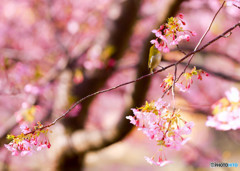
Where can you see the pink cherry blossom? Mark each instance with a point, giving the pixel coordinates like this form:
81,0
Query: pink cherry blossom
233,95
12,149
160,162
233,2
187,128
181,87
226,112
185,84
171,34
25,129
160,124
28,142
132,120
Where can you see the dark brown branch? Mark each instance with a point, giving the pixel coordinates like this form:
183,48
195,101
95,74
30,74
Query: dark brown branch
144,76
95,140
236,6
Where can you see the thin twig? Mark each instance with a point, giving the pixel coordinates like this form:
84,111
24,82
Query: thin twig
236,6
174,102
200,41
180,50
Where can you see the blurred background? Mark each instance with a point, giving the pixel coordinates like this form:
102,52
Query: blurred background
53,53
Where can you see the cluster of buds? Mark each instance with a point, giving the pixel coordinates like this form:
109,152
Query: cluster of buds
171,33
226,112
28,141
160,124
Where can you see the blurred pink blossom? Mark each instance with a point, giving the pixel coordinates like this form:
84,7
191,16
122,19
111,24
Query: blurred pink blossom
226,112
160,162
233,2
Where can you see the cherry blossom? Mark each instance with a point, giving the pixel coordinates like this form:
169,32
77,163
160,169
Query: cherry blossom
25,129
171,34
233,95
160,162
181,87
185,84
28,141
233,2
160,124
226,112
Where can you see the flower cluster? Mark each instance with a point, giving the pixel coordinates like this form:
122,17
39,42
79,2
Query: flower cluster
160,124
28,141
183,85
167,82
189,78
171,33
226,112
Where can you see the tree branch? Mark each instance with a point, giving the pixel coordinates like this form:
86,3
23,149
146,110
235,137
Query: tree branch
144,76
119,38
94,140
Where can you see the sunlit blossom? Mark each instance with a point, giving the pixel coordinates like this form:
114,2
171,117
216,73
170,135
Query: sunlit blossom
162,125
